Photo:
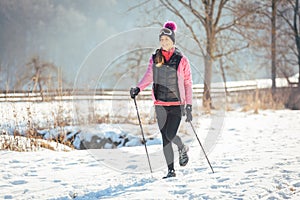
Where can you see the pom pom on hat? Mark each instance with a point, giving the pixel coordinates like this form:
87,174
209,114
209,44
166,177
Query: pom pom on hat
170,25
169,29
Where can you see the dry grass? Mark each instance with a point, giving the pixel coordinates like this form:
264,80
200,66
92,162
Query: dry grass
259,100
26,144
29,139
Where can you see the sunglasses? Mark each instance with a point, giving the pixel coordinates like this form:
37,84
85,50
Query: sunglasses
165,32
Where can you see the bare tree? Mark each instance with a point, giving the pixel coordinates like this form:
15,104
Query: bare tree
266,14
212,18
289,12
38,76
130,68
135,62
210,22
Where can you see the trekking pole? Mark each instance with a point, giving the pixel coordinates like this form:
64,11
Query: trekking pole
201,147
137,111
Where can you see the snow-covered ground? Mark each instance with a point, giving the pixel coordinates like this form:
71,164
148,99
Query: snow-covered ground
255,156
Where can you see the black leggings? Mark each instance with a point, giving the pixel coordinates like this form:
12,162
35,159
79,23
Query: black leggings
168,119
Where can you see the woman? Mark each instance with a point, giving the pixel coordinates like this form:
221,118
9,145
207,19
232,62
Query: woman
170,73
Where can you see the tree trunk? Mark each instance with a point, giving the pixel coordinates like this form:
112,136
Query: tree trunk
273,47
41,89
207,103
297,37
207,83
210,38
223,75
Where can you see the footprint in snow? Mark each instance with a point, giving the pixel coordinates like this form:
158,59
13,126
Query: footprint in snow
251,171
181,192
131,167
18,182
221,180
14,161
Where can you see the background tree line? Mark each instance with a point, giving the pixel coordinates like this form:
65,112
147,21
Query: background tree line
265,34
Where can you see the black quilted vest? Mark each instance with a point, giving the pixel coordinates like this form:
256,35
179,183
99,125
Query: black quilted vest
165,80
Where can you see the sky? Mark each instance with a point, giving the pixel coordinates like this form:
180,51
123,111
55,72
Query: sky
62,32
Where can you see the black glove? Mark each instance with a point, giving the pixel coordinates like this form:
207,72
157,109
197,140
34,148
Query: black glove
188,110
134,92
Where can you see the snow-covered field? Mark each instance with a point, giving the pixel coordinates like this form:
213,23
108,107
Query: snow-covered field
256,156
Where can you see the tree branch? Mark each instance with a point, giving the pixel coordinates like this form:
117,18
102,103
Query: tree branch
231,51
137,5
170,7
221,6
191,8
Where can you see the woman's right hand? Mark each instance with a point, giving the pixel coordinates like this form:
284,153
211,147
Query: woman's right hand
134,92
189,116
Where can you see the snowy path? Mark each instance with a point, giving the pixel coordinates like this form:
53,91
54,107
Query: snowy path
257,157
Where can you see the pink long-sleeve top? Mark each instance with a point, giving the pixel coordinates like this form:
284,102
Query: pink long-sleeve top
184,83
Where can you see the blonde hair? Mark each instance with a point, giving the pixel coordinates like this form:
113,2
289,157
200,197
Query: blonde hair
159,58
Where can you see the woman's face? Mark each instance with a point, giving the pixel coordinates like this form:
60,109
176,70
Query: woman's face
166,43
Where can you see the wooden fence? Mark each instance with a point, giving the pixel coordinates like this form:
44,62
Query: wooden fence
75,95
